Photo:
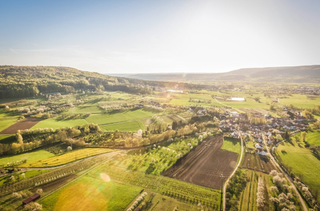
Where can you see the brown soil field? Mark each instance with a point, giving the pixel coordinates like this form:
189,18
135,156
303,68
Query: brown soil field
204,165
27,123
257,162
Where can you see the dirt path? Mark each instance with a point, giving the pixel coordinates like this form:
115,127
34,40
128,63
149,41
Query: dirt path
273,161
234,171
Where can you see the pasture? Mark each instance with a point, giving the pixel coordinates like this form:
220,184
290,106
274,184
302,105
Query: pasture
232,145
30,156
113,117
67,157
301,162
55,124
132,126
300,101
93,192
313,137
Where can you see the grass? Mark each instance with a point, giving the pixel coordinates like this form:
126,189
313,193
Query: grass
31,156
55,124
119,116
232,145
28,174
302,162
124,126
249,103
300,101
7,139
93,192
67,157
313,137
87,109
5,123
183,99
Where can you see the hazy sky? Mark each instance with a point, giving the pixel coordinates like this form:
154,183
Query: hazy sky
160,35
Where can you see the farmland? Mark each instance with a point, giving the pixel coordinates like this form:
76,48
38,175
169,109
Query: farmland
301,162
197,166
95,192
124,126
66,158
313,137
257,162
21,125
119,116
30,156
55,124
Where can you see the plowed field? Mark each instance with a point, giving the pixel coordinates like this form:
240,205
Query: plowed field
204,165
21,125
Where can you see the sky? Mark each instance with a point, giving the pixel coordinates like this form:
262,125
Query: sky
160,36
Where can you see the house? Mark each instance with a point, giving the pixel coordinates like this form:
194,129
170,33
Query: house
139,106
258,146
262,152
234,114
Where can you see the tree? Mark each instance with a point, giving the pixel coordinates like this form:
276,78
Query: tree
19,139
33,206
303,135
174,125
69,148
39,191
307,114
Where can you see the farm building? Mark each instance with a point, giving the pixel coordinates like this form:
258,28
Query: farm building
30,199
234,114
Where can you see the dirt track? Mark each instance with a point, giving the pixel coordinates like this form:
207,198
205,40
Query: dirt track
204,165
21,125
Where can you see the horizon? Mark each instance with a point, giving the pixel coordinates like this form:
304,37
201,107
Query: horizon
142,37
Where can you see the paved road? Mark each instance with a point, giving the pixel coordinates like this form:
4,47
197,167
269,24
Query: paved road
273,161
234,171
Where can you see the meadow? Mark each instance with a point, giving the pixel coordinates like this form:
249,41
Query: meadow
300,101
132,126
313,137
92,193
30,156
66,158
232,145
119,116
55,124
302,163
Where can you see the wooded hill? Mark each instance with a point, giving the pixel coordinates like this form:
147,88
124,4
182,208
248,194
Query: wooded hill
25,81
298,74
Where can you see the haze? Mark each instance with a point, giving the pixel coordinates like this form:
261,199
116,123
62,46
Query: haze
160,36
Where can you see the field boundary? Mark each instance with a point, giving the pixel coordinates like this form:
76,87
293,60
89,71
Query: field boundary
234,171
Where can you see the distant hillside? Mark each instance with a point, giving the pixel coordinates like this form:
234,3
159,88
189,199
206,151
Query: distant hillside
30,81
298,74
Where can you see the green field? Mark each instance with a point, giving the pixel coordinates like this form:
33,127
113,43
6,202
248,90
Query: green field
183,99
87,109
28,174
313,137
5,123
31,156
7,139
302,162
300,101
53,123
67,157
119,116
92,192
249,103
132,126
231,144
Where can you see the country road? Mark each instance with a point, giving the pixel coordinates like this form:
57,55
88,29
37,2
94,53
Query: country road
234,171
273,161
